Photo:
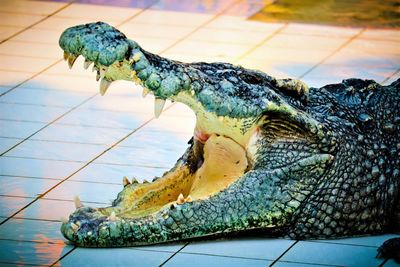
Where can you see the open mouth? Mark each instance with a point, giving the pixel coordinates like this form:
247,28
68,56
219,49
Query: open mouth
219,185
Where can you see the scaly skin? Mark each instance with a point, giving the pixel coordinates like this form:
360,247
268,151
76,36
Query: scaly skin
299,162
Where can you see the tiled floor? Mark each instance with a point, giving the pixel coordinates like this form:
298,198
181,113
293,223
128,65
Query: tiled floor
59,138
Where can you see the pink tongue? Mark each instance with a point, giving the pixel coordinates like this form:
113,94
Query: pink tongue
200,136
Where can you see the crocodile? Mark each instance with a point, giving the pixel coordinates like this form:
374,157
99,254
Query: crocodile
268,156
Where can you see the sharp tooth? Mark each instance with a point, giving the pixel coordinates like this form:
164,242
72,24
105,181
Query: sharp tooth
145,92
71,60
189,199
94,67
86,64
78,203
103,71
74,227
66,56
145,181
180,199
125,181
158,106
97,76
104,84
112,217
134,180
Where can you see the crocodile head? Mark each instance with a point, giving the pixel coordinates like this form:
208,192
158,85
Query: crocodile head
255,156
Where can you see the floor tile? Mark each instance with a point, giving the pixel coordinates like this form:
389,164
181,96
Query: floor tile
19,129
30,7
198,6
4,89
91,192
255,248
60,24
62,69
10,205
97,13
37,167
164,123
30,112
120,257
320,253
373,241
24,64
139,156
46,209
240,24
79,134
57,151
182,259
192,47
170,247
7,143
19,20
228,36
32,230
296,264
24,49
8,31
21,253
162,17
360,59
66,82
107,173
45,97
321,30
38,36
381,34
161,31
25,187
11,78
107,119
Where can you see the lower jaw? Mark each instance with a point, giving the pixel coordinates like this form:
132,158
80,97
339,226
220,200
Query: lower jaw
141,204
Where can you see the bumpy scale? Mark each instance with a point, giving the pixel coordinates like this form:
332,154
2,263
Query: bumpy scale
267,154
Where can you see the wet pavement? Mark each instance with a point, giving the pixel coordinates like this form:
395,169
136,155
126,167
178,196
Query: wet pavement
59,138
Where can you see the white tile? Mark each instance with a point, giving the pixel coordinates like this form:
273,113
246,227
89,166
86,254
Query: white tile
39,36
30,112
19,129
91,192
60,23
182,259
7,143
24,64
21,253
162,17
161,31
25,187
321,30
10,205
13,78
119,257
18,20
64,82
8,31
240,23
23,49
44,97
30,7
97,12
37,167
332,254
228,36
245,248
56,151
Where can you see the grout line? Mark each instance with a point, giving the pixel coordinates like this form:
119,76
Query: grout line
176,252
48,124
277,259
269,37
37,22
196,28
224,256
332,53
65,255
392,75
80,168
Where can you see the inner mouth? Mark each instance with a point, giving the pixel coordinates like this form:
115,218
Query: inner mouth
199,178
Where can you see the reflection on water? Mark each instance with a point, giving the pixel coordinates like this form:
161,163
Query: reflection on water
372,13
